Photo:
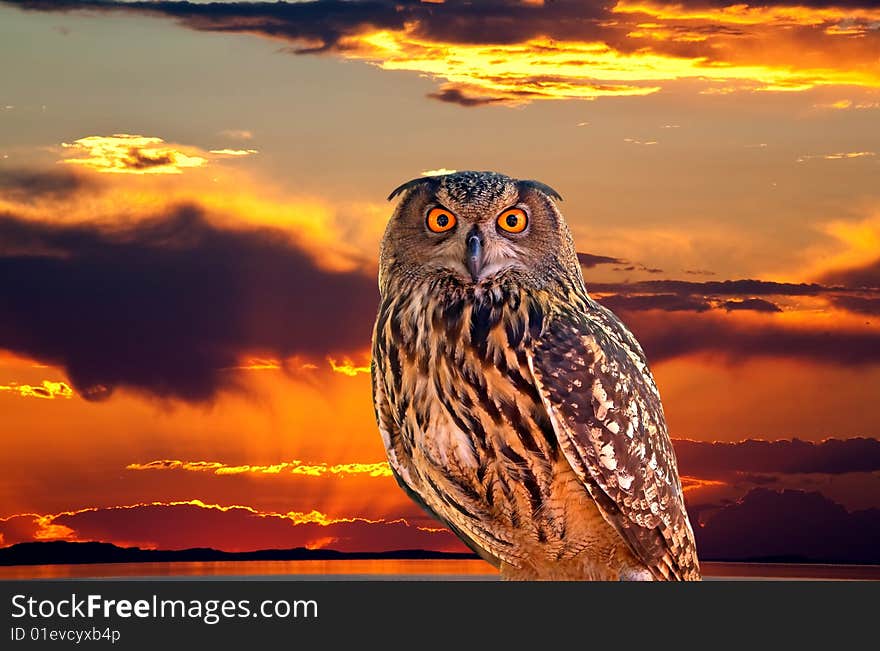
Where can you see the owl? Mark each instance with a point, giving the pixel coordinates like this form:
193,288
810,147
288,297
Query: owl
512,406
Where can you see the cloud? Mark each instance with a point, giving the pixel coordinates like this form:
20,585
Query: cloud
47,390
295,467
666,302
29,185
865,276
713,287
167,304
841,155
347,367
590,260
689,484
124,153
233,152
668,335
673,318
754,304
457,95
831,456
506,51
438,172
847,104
791,524
237,134
699,272
858,304
192,523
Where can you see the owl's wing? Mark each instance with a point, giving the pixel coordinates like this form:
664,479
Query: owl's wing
606,411
398,457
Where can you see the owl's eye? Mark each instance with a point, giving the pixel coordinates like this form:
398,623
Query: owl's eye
440,220
513,220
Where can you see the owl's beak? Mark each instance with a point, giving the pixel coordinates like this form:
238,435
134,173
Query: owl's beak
474,246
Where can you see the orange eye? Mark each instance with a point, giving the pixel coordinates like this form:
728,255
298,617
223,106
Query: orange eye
440,220
513,220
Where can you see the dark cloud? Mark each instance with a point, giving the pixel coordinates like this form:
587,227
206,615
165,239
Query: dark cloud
867,276
666,335
753,304
832,456
744,287
590,260
324,24
666,302
640,267
138,159
859,304
25,185
699,272
788,525
454,95
320,25
165,305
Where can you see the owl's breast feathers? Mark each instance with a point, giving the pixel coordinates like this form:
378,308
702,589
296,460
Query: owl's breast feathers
509,413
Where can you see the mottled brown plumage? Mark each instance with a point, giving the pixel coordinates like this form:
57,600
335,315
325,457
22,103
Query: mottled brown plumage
512,406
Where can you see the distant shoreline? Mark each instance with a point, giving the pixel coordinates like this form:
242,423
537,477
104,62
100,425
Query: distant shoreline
90,553
77,553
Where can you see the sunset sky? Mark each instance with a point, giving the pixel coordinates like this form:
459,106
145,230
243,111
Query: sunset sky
192,196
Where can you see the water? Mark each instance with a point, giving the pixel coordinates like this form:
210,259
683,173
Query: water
443,570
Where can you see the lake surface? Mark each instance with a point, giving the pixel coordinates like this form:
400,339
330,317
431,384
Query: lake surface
396,570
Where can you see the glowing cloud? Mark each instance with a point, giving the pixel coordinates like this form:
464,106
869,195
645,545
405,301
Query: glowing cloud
842,155
257,364
47,390
537,50
124,153
692,484
543,68
234,152
741,13
438,172
847,104
295,467
347,367
48,529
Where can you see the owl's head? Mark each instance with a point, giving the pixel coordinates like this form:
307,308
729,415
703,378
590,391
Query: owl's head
475,227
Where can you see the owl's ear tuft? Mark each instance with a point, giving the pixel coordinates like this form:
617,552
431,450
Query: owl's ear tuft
409,185
540,187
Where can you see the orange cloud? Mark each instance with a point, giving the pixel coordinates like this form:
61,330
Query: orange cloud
258,364
516,52
746,14
689,484
347,367
544,68
190,523
841,155
48,529
46,390
295,467
847,104
124,153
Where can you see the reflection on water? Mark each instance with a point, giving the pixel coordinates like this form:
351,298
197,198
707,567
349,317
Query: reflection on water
396,570
378,568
